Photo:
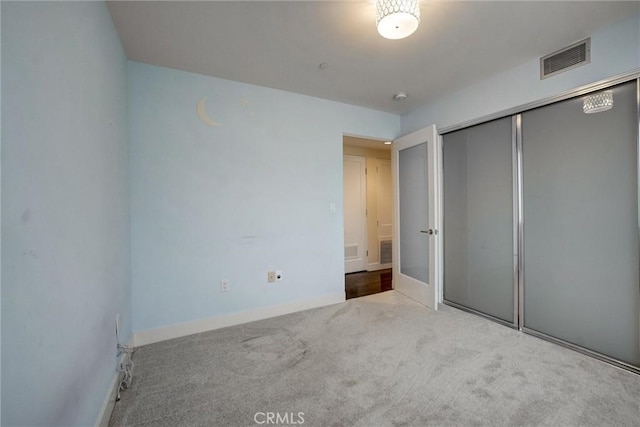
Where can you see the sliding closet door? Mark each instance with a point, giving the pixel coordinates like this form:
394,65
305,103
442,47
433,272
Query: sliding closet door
581,224
478,219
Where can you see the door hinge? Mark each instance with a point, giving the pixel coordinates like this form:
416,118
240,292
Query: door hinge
367,253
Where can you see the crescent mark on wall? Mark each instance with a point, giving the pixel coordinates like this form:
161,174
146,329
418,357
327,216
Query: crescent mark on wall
203,114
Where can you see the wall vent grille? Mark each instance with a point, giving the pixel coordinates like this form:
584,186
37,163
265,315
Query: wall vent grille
350,251
385,252
566,59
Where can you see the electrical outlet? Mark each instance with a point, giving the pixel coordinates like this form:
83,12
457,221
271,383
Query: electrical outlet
271,276
224,285
278,275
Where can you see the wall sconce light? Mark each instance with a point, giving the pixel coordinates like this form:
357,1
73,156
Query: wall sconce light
598,102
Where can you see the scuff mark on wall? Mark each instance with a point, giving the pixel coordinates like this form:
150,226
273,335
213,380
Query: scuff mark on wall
30,253
26,216
246,104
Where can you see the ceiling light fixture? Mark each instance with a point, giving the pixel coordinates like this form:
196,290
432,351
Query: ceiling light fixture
601,101
387,143
397,19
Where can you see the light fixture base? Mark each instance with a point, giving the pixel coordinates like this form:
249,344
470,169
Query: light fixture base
400,96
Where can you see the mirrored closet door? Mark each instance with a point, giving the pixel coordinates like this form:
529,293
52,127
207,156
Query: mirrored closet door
478,219
580,192
541,224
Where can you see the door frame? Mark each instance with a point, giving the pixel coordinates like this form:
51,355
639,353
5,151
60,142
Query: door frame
430,296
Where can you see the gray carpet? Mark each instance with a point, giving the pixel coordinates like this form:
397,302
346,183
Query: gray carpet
381,360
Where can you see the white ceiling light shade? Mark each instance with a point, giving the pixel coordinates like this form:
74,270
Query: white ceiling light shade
397,19
597,102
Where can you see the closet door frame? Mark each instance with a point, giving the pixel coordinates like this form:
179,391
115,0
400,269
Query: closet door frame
518,223
518,204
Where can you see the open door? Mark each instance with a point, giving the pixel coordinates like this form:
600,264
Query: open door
414,160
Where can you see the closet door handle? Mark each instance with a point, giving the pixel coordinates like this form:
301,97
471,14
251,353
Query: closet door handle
429,231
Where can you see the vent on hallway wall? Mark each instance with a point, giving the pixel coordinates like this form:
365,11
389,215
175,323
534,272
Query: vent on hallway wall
570,57
385,252
350,251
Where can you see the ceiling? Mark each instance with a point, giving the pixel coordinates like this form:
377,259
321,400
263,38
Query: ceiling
280,44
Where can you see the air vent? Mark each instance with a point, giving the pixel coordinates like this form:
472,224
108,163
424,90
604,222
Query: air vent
385,252
565,59
351,251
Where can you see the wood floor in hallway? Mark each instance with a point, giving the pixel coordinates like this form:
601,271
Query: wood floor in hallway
367,283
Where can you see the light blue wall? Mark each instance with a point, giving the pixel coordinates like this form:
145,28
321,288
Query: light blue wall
65,210
0,231
234,201
614,50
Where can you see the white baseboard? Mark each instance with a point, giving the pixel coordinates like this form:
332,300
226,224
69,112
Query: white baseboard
110,401
151,336
375,266
112,393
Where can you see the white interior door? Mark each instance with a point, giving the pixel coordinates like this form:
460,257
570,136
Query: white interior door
355,214
414,160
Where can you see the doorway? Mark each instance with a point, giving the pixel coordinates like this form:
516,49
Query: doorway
368,198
